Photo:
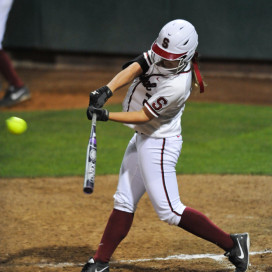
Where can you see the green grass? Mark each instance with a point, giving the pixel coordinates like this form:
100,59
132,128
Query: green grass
226,139
218,139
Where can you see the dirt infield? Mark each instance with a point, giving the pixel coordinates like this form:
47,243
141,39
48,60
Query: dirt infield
69,88
48,224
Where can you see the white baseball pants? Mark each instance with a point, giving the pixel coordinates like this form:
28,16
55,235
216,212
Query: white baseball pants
149,166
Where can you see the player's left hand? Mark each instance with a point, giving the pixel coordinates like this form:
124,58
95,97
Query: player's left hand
101,114
99,97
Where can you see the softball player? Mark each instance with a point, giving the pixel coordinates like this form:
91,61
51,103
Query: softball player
161,83
16,92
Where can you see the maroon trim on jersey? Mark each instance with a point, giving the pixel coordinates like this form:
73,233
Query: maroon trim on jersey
151,109
163,179
164,54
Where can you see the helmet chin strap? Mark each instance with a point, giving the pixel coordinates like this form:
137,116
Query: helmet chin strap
197,72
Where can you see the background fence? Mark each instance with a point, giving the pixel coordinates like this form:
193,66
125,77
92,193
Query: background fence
228,29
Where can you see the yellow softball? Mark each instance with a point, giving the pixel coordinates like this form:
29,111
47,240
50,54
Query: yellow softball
16,125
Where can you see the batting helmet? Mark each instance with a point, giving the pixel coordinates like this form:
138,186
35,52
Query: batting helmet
177,40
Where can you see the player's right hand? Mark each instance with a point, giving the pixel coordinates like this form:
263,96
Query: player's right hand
99,97
101,114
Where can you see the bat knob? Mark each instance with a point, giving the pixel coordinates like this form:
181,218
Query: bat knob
87,190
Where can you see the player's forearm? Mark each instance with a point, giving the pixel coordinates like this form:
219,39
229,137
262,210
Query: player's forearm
125,76
135,117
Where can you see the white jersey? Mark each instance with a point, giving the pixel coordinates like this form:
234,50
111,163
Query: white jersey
164,95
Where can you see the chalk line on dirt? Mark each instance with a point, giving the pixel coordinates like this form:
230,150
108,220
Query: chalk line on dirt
215,257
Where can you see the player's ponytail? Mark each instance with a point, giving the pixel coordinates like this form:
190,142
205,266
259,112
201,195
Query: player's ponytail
197,77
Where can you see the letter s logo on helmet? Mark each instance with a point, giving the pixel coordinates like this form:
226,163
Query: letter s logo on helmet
177,40
165,43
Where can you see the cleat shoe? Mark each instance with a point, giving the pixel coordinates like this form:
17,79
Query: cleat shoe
92,266
239,254
14,96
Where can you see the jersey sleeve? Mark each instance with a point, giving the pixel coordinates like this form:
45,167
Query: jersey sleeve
144,60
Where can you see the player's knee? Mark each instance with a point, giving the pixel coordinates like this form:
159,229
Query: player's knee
123,204
172,217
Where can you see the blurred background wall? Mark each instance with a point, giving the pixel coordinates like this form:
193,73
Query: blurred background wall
228,29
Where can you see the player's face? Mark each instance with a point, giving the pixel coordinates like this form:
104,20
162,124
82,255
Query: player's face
168,63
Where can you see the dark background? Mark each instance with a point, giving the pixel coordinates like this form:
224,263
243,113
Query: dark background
228,29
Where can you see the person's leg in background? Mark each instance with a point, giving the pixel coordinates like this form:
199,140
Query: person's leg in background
17,91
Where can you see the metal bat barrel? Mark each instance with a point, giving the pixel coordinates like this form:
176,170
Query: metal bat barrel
89,177
90,167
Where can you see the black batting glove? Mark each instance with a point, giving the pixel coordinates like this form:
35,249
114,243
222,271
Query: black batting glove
101,114
99,97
